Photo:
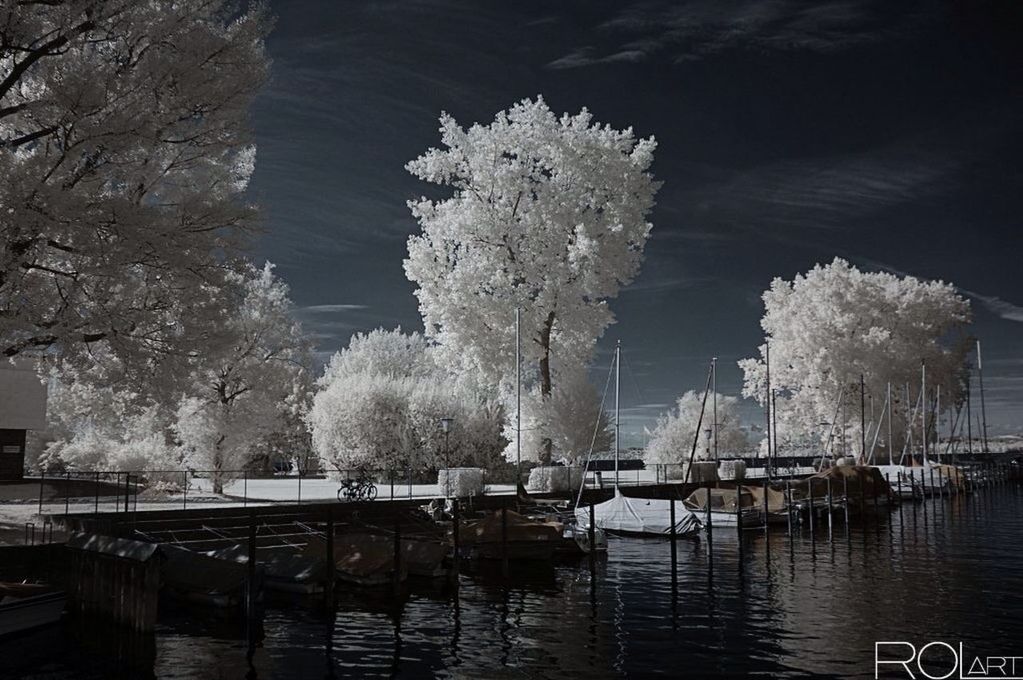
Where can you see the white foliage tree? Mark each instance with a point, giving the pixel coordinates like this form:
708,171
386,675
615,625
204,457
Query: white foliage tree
548,215
252,373
828,327
380,403
671,441
99,420
571,418
124,148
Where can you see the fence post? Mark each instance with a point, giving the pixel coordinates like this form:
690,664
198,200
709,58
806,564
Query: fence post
95,510
410,482
184,498
300,485
245,488
390,474
67,491
127,489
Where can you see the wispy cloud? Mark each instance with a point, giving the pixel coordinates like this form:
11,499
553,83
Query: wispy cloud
687,31
998,306
327,309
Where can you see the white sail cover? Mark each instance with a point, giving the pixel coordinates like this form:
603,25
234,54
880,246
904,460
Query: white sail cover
639,516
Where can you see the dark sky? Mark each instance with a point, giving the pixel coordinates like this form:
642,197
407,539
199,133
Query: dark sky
888,133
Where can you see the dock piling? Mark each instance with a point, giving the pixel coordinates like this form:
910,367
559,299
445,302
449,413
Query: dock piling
830,532
504,542
456,513
672,534
331,575
396,577
593,541
251,581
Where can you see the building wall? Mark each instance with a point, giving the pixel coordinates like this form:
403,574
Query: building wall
22,407
22,397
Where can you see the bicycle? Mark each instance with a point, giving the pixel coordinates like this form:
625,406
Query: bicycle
362,489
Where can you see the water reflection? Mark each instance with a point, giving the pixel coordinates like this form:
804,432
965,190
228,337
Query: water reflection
772,605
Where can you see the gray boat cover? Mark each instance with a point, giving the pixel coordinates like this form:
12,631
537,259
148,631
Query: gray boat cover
640,516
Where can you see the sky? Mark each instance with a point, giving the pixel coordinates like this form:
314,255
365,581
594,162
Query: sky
886,133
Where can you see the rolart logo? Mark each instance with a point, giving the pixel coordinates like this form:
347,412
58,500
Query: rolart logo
941,661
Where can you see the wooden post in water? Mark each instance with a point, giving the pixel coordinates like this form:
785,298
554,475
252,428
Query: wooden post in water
845,496
674,546
788,504
331,565
830,532
504,542
456,519
250,605
710,530
593,541
932,482
809,486
767,535
396,576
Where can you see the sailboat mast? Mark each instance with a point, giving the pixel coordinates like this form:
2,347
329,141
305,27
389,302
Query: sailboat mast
891,445
618,392
518,395
863,422
923,409
983,410
969,415
714,373
770,407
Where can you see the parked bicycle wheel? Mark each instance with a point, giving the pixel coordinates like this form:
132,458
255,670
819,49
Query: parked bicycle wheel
371,492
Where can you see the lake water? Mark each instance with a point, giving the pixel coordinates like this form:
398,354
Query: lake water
947,569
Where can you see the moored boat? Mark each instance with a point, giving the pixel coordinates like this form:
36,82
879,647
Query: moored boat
26,606
640,517
728,506
507,534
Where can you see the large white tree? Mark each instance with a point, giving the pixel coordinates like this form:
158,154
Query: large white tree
828,327
124,149
251,380
547,214
671,441
571,418
380,403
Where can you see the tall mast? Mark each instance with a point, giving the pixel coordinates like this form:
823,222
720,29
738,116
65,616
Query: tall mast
983,410
518,396
923,409
863,422
770,407
891,441
714,373
969,414
618,383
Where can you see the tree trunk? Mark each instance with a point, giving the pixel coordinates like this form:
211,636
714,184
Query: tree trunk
545,381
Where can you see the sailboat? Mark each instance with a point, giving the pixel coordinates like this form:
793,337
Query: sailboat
644,517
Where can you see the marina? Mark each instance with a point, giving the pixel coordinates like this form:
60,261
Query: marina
786,601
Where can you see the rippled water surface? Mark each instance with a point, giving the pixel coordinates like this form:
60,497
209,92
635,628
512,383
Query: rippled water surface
948,569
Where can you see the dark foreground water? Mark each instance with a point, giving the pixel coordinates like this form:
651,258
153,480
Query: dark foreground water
948,570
